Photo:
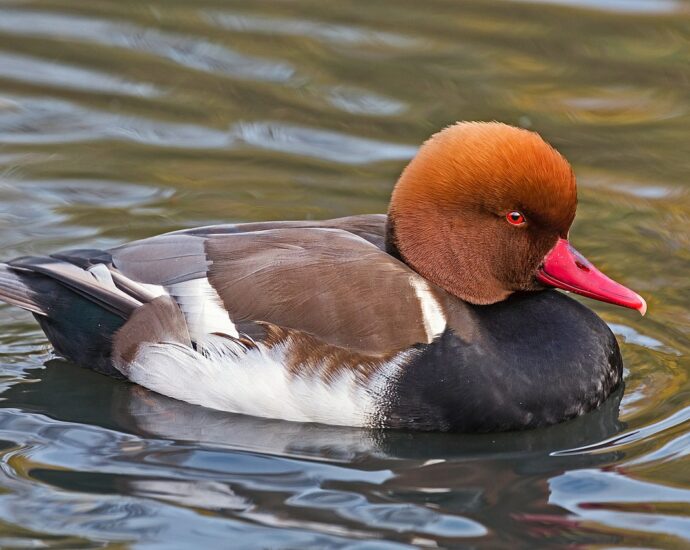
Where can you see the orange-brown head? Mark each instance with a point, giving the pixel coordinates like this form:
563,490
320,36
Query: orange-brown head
480,210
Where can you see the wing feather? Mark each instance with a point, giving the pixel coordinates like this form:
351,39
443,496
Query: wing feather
327,282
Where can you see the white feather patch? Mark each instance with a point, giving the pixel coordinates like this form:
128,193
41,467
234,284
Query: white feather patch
257,383
155,290
101,273
432,312
202,308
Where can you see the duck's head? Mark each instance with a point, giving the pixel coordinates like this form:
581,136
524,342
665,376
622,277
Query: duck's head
484,210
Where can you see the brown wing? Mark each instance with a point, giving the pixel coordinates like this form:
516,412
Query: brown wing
329,282
326,282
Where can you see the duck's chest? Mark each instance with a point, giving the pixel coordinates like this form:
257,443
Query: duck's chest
531,361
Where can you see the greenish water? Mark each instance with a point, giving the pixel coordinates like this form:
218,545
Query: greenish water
123,119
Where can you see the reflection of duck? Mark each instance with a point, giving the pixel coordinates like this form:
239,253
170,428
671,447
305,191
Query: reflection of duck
148,413
417,320
344,478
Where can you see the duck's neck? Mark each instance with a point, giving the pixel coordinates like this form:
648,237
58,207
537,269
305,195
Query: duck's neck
391,242
438,251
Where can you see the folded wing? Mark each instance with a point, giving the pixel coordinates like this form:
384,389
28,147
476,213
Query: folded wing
327,282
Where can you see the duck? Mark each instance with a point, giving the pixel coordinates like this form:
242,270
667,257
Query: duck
442,315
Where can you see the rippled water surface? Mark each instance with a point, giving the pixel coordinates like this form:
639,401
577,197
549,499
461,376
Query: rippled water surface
123,119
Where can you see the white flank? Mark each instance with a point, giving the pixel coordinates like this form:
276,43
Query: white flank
202,308
432,312
257,383
155,290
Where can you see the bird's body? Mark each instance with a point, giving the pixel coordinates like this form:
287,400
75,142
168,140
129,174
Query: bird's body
334,321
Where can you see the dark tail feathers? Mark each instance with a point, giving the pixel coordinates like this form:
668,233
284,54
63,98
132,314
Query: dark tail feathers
22,291
79,328
93,316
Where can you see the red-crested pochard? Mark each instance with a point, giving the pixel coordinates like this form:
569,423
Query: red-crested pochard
435,317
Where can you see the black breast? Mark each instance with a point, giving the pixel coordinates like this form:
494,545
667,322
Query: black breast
533,360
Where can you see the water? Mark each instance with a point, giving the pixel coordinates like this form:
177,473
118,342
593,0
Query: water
123,119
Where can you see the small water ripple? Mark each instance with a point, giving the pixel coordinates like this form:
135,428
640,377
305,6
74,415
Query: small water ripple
605,490
361,102
399,517
191,52
632,436
34,71
322,144
46,121
319,30
620,6
632,336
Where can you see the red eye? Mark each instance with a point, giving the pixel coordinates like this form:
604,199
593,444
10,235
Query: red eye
515,218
